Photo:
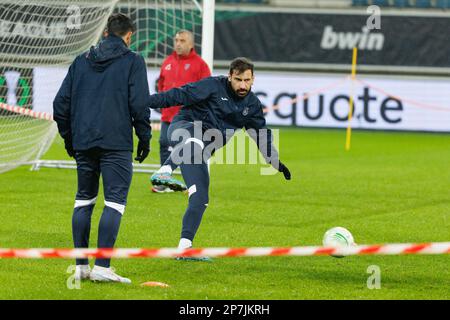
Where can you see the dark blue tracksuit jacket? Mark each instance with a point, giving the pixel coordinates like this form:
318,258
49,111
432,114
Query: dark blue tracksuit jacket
213,102
103,96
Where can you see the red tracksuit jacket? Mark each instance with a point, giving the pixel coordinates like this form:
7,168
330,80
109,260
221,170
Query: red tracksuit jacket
177,71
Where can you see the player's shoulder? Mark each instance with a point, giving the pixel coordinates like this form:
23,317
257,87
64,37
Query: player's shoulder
212,84
135,55
82,56
220,78
220,81
134,60
80,60
212,80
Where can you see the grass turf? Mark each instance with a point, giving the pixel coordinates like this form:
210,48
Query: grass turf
391,187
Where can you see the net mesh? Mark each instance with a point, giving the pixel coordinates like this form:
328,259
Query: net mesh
157,21
39,40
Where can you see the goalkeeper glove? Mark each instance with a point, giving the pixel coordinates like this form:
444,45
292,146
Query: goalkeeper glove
143,150
282,168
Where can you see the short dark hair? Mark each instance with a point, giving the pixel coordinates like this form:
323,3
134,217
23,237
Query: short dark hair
187,32
240,65
119,24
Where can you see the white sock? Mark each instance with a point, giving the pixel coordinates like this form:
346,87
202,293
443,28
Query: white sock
184,244
98,268
165,169
83,267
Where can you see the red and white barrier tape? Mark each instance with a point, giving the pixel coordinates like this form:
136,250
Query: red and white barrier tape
26,112
387,249
156,126
411,102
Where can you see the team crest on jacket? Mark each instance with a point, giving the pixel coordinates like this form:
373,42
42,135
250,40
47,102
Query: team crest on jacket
245,111
186,66
168,67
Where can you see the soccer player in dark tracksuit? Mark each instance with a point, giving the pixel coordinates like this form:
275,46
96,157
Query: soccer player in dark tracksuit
103,96
217,103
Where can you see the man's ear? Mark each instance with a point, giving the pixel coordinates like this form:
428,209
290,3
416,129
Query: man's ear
127,38
229,77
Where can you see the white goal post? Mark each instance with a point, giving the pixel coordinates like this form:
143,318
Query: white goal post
39,40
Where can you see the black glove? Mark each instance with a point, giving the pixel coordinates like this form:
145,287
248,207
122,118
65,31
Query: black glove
69,148
285,170
143,150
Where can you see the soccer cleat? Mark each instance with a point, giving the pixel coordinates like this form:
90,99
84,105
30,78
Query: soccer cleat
101,274
187,244
166,179
82,272
161,189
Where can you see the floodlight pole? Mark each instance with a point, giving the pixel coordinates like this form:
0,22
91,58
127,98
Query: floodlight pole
208,32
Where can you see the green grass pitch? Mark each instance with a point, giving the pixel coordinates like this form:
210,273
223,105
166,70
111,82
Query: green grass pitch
390,188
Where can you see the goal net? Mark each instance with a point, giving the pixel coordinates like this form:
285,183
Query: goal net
40,39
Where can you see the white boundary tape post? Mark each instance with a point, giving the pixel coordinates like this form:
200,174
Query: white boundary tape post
386,249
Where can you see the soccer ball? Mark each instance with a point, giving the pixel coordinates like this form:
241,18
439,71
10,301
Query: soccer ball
338,237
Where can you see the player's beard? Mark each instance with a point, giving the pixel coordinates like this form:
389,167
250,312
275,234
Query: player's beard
242,92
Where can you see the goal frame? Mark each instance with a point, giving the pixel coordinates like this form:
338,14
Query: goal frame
207,8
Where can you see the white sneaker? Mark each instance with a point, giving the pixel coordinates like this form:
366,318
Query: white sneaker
102,274
82,272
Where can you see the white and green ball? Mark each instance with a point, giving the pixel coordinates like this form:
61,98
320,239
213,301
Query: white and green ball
338,237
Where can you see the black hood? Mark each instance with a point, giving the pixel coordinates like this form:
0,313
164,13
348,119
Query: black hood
108,50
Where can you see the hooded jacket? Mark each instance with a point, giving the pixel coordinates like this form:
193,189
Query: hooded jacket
103,96
176,71
213,102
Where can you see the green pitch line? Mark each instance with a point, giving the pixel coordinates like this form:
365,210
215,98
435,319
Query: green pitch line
391,187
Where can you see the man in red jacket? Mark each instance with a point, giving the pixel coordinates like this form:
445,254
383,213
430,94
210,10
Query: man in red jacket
184,65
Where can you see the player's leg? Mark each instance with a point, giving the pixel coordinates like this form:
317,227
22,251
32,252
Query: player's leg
196,176
164,153
116,168
164,143
197,181
175,136
88,171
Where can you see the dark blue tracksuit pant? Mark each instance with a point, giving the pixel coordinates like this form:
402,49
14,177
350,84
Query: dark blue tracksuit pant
195,172
116,170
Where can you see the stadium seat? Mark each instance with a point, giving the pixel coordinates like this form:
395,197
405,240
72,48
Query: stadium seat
402,3
242,1
423,3
443,4
381,3
357,3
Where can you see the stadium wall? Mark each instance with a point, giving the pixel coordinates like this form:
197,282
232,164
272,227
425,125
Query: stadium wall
301,39
320,100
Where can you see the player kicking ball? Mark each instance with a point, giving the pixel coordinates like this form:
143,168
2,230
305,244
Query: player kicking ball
211,107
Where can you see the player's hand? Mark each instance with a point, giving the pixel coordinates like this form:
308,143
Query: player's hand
282,168
69,148
143,150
